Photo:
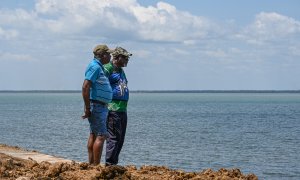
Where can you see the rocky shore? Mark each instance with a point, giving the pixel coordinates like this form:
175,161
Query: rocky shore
12,167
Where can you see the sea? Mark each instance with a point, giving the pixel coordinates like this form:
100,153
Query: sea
256,132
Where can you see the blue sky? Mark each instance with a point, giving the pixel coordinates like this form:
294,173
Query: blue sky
176,45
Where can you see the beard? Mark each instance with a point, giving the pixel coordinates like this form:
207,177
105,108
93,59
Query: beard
122,63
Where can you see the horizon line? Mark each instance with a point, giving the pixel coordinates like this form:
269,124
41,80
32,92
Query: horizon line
159,91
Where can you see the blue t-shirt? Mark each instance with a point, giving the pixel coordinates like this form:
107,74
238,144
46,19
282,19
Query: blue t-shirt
100,89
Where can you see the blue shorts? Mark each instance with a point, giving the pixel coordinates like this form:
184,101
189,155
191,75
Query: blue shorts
98,119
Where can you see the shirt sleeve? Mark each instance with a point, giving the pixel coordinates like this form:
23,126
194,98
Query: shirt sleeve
107,69
114,77
91,74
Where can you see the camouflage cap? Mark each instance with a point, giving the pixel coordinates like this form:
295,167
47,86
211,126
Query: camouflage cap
121,51
102,48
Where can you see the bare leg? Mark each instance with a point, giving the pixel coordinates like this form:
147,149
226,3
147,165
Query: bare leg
90,145
97,149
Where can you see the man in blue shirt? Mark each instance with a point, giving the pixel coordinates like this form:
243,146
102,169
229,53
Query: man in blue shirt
97,93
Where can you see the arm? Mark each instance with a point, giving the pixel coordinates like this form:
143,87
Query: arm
86,98
114,77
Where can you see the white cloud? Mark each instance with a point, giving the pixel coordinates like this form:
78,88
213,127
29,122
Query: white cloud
295,50
8,34
165,41
16,57
79,16
161,23
166,23
219,53
270,27
18,18
47,6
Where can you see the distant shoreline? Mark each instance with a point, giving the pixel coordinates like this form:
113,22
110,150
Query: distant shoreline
158,91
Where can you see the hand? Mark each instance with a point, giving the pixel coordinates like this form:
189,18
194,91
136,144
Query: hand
87,114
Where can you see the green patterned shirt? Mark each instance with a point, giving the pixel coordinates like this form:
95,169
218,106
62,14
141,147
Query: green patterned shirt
110,70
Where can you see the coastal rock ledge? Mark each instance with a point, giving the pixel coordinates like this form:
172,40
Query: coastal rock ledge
12,167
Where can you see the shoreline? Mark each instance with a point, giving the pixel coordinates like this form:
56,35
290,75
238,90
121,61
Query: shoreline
18,152
19,163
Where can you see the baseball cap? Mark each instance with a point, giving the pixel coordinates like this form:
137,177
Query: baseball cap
121,51
102,48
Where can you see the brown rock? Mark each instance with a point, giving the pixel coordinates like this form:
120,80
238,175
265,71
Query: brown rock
14,168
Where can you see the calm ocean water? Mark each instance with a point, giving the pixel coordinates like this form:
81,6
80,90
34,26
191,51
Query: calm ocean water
256,132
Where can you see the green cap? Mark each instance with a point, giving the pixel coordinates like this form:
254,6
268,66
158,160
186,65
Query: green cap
120,51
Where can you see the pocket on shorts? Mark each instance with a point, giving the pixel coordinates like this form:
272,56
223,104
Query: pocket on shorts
98,108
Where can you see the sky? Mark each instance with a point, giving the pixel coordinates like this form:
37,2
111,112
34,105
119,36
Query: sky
176,45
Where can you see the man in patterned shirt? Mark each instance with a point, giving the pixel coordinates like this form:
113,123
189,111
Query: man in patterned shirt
117,115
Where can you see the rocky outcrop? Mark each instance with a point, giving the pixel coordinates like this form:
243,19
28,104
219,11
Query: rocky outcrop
16,168
20,164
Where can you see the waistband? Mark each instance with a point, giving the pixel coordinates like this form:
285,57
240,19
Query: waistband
98,102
